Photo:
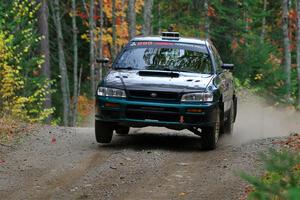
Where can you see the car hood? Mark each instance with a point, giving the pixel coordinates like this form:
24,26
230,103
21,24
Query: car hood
157,80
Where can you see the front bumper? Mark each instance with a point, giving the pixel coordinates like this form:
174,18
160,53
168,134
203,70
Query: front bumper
144,113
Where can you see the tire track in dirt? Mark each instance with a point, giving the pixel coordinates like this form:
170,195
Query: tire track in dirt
48,183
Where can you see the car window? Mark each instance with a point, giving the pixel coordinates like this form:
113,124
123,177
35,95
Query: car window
165,58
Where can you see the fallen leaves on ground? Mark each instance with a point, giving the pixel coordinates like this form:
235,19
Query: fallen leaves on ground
182,194
53,140
248,190
11,128
293,142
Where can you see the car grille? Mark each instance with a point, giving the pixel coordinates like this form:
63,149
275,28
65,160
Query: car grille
152,113
154,95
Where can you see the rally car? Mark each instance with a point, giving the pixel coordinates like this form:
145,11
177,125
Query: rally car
167,81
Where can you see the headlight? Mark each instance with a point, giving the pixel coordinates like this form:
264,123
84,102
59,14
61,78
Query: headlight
111,92
198,97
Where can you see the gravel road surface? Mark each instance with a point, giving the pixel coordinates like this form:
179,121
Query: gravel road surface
150,163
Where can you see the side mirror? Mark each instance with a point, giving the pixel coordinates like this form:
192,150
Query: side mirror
102,60
228,66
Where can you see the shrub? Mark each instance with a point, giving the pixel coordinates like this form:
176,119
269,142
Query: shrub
22,91
281,180
261,70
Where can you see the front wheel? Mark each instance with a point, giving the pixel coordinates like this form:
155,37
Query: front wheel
210,136
103,131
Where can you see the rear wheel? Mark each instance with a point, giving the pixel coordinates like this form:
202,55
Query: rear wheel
103,131
122,130
210,136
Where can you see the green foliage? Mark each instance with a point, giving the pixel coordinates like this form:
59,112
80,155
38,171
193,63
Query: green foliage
281,180
186,15
262,70
235,27
22,90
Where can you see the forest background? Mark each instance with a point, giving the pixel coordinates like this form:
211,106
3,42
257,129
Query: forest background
48,48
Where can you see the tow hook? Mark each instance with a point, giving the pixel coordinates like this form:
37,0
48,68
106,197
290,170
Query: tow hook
181,119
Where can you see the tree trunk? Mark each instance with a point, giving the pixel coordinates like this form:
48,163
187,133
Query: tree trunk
100,37
114,30
62,63
147,29
298,49
75,63
246,17
263,29
45,49
131,18
123,12
207,23
159,20
286,45
92,49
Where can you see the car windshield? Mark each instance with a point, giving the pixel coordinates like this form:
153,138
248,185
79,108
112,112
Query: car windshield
167,58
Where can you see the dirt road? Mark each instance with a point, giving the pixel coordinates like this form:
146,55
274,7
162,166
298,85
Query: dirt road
151,163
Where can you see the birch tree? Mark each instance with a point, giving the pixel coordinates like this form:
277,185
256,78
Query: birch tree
286,46
75,63
207,24
100,44
64,80
298,48
131,18
45,49
92,48
114,30
263,29
159,20
147,29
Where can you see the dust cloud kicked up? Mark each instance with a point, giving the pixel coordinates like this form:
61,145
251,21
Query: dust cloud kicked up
257,120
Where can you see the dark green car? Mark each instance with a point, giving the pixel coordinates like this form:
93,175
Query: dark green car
168,81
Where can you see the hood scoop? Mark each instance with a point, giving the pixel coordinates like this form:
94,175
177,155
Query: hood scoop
159,74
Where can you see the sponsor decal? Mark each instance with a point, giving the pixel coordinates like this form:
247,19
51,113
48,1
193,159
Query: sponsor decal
167,44
154,43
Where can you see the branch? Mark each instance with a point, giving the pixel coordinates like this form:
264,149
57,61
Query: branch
85,7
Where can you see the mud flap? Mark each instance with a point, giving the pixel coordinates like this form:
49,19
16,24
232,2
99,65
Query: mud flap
235,107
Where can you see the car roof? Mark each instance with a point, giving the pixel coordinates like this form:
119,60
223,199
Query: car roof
179,40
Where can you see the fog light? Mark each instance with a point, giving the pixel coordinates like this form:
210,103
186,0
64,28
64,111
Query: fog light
112,105
194,110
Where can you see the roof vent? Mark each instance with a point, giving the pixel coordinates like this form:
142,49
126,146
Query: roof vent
170,35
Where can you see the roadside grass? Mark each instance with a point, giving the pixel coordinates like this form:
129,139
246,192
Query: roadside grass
281,177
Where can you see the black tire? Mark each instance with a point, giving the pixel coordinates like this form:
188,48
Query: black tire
103,131
210,136
228,124
122,130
